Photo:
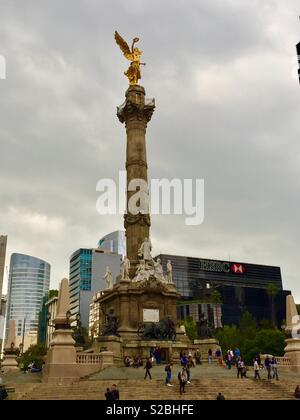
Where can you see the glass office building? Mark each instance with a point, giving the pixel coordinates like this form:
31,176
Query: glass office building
114,242
243,287
87,268
28,282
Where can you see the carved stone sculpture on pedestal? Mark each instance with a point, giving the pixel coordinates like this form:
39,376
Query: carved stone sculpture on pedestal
108,278
292,349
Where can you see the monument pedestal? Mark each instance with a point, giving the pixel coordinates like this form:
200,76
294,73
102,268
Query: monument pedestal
292,351
10,351
113,345
130,301
61,366
9,362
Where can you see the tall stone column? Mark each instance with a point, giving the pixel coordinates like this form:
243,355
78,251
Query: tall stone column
136,112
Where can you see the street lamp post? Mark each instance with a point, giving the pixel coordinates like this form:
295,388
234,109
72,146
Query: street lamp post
23,335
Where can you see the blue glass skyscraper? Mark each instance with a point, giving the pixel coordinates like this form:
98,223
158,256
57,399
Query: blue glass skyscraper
87,268
28,282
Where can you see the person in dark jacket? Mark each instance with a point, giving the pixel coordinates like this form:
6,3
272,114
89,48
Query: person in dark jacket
3,391
182,377
268,366
115,392
108,395
220,397
148,367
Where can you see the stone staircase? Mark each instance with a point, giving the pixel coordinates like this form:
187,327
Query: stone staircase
199,389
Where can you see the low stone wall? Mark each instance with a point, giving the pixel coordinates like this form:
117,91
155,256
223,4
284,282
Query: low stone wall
282,362
89,363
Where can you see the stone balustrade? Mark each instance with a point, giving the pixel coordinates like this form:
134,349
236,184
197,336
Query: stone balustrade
283,361
88,363
89,359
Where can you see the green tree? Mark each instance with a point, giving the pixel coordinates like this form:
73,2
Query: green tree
229,337
36,354
190,327
269,341
266,324
248,326
52,293
272,291
216,297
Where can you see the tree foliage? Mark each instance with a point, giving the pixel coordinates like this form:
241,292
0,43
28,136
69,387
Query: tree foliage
35,353
52,293
252,339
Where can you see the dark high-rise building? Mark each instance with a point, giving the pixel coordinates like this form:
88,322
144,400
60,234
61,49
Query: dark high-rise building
243,287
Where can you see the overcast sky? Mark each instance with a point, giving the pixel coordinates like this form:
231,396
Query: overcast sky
224,76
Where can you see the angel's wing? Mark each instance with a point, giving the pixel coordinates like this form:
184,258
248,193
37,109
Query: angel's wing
123,45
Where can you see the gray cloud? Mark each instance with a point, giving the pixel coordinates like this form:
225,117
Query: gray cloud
223,75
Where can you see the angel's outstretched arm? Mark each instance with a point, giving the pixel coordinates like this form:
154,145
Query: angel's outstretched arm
134,41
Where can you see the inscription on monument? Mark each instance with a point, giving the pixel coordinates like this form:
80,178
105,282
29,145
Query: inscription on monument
150,315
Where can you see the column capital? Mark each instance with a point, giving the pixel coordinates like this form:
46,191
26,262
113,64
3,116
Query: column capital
136,107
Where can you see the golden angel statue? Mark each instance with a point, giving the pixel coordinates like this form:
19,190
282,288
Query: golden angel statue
134,55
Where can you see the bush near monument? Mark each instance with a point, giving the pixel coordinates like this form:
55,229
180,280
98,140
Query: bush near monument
35,354
252,339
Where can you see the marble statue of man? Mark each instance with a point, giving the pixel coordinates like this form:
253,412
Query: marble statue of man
169,272
145,250
125,267
158,270
108,279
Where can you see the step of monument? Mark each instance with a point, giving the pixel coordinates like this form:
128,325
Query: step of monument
144,390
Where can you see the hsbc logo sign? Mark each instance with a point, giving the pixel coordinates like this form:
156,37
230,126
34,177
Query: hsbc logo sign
238,268
222,267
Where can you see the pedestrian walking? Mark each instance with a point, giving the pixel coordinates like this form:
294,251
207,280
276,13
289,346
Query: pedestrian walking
274,368
148,366
239,366
182,380
229,360
210,354
188,374
220,397
108,395
183,360
219,356
168,370
268,366
115,392
198,357
256,368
